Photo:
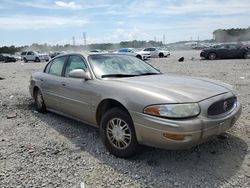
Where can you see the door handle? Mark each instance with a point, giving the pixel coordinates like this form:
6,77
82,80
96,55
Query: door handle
41,80
63,83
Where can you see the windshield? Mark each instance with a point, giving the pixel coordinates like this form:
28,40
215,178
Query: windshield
119,66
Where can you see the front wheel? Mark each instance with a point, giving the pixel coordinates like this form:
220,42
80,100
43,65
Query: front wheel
118,133
246,55
161,55
212,56
139,56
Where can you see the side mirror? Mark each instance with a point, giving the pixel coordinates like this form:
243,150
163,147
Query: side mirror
79,73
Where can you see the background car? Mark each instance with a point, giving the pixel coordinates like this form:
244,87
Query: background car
225,51
157,52
137,53
7,58
98,51
2,57
54,54
34,56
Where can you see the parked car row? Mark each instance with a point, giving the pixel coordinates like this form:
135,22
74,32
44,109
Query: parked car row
143,54
132,51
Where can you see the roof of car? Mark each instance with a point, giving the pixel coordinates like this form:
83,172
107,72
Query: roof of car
87,54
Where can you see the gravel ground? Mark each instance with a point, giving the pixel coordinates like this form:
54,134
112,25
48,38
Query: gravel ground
48,150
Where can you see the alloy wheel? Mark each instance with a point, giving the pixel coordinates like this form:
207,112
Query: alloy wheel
119,133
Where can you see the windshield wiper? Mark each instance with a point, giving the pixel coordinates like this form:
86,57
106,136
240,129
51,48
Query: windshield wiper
148,73
118,75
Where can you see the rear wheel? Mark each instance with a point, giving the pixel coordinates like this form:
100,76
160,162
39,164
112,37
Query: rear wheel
212,56
37,59
40,105
118,133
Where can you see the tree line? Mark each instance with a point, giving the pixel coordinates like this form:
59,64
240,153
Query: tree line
232,35
68,47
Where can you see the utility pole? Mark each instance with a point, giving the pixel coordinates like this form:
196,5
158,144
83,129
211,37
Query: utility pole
155,38
164,40
74,40
84,38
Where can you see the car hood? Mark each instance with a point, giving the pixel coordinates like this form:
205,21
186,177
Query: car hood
175,89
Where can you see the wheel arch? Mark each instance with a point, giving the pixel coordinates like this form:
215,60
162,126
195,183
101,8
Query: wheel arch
105,105
35,88
161,54
139,56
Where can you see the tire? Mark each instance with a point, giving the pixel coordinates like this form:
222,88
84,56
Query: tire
25,60
123,146
212,56
139,56
37,59
161,55
246,55
40,105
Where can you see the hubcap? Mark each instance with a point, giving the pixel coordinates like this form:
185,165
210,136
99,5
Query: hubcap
118,133
212,56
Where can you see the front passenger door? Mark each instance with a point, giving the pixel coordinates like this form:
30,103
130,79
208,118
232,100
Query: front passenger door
77,92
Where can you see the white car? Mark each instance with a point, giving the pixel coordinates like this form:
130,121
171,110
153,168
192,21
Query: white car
156,52
34,56
131,51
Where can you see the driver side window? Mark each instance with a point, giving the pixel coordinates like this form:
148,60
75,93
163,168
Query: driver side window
75,62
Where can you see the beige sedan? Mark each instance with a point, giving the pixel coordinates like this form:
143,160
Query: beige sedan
134,104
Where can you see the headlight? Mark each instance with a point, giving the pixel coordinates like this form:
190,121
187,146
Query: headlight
174,110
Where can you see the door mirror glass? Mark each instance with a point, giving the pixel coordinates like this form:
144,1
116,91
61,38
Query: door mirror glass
79,73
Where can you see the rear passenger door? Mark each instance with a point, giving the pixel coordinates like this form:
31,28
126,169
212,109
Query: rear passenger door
234,51
52,84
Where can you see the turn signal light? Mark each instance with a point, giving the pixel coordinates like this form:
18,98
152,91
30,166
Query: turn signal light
153,110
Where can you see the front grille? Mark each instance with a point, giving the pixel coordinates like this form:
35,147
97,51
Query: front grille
222,106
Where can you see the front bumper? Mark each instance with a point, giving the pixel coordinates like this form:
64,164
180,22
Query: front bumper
149,129
145,57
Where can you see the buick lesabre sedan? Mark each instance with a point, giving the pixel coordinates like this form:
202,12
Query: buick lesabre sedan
132,103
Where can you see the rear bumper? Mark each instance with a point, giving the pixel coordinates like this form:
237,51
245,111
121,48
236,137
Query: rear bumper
150,129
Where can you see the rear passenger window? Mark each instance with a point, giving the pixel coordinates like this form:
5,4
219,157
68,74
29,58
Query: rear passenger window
74,62
57,66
